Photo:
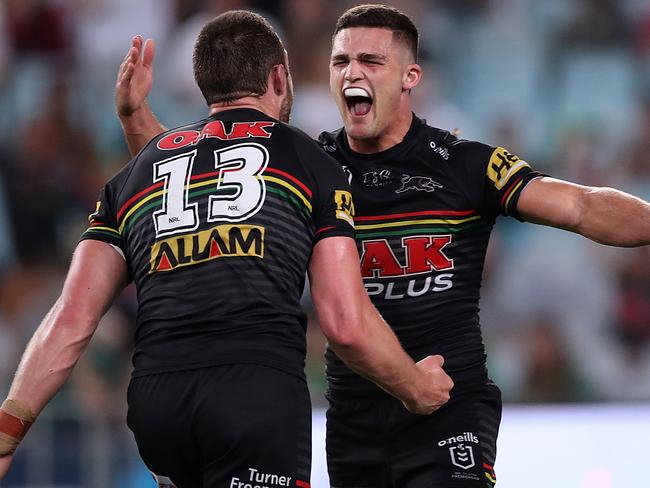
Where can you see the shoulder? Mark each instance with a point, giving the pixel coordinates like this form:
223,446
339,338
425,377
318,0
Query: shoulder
473,150
455,152
330,142
118,180
309,151
328,139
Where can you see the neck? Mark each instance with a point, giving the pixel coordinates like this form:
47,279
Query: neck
255,103
393,135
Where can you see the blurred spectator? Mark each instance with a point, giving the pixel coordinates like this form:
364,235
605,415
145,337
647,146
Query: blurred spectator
632,319
314,109
7,242
467,7
38,48
637,162
37,27
433,105
99,49
596,24
583,157
54,177
549,375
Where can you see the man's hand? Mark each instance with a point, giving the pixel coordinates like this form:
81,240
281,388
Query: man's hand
434,388
135,77
5,463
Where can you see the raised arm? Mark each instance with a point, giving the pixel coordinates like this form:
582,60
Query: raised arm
97,274
604,215
134,80
360,337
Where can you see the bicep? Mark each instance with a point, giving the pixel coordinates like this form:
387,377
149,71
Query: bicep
336,285
97,274
552,202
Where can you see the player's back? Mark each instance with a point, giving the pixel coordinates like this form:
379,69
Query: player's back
217,221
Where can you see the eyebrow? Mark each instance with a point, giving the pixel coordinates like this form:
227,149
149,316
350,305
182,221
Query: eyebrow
361,57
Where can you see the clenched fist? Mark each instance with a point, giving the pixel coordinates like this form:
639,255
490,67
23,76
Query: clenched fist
433,387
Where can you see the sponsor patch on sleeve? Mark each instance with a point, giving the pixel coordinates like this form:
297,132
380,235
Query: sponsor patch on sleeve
93,215
502,166
344,206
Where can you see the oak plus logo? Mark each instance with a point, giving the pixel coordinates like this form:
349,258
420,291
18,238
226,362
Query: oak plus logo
424,265
423,255
460,450
215,129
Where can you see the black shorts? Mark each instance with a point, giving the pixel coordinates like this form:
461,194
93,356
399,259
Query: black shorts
235,426
376,443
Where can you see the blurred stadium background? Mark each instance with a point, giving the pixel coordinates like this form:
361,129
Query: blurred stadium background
565,84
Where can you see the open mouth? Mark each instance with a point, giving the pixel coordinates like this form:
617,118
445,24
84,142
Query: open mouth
358,100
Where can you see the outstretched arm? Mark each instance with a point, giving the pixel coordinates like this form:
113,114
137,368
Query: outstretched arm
134,81
360,337
604,215
97,274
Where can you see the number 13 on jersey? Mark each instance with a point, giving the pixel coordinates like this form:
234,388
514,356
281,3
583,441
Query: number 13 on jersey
237,194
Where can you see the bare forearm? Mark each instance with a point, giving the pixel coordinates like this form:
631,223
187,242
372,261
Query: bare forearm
614,218
360,337
377,355
49,359
604,215
140,127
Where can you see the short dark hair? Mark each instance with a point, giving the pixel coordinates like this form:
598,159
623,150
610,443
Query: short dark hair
385,17
234,54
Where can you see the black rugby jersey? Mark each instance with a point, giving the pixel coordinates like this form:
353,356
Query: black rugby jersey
217,221
424,212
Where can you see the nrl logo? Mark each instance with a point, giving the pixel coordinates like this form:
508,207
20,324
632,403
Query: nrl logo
462,456
419,183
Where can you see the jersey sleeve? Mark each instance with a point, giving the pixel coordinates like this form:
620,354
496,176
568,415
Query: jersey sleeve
495,178
103,224
333,207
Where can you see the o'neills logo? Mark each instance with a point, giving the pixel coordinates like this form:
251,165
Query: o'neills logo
219,242
465,437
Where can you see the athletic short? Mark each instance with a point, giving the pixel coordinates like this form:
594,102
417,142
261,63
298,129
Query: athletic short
374,442
234,426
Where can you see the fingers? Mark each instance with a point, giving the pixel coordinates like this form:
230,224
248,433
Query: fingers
435,387
136,42
127,68
127,73
149,51
133,54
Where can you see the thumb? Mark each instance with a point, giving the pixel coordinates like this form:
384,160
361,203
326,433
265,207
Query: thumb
149,51
433,361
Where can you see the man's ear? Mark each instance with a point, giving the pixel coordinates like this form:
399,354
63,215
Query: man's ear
278,81
412,76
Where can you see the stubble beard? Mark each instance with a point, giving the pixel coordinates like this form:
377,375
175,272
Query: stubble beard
285,108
